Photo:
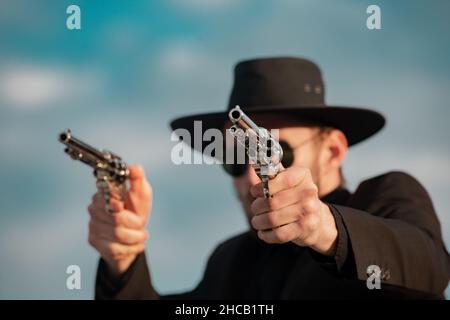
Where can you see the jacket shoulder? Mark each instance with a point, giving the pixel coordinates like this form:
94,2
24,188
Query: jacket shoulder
393,178
394,187
396,182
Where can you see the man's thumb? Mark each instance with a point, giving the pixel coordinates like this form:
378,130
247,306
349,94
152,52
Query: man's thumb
136,177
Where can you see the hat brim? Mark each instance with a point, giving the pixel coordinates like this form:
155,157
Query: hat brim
357,124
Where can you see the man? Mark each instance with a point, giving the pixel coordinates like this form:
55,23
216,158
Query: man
312,238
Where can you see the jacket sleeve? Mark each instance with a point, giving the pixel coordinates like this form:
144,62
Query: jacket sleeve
136,283
396,229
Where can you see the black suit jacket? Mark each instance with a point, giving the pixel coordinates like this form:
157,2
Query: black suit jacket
389,221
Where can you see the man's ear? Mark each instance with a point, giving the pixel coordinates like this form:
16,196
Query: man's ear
337,146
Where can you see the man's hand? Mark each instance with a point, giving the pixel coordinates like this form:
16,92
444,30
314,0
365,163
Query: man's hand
294,212
119,237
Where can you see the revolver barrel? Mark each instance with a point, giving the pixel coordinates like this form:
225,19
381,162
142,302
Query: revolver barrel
110,171
263,150
78,149
110,165
240,119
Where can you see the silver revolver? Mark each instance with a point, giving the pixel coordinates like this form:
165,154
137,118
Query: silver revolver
110,171
264,152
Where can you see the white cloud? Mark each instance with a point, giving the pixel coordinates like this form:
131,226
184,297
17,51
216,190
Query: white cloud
199,78
29,86
183,58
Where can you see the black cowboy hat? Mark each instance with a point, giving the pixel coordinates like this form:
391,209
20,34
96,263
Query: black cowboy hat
291,86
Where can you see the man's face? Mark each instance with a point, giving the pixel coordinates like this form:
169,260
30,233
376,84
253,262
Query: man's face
307,148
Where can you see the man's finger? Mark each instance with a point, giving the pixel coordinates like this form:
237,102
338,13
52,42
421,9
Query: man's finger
282,234
98,200
136,177
278,201
118,234
116,251
138,199
286,179
275,219
100,214
97,209
129,219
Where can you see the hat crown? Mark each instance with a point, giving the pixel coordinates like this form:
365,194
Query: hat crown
277,82
290,86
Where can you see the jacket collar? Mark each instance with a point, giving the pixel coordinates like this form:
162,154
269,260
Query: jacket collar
338,196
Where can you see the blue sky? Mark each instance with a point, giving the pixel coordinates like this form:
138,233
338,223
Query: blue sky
135,66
